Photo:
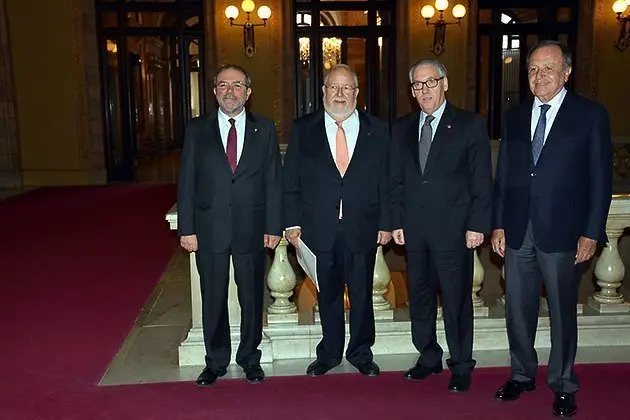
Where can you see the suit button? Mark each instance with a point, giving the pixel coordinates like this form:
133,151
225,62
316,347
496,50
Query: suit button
533,174
342,183
230,205
233,181
425,182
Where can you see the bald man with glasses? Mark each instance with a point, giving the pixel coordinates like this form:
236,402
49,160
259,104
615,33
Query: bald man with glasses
441,182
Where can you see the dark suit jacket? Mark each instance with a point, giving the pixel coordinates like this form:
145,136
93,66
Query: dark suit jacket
567,194
454,192
226,209
313,185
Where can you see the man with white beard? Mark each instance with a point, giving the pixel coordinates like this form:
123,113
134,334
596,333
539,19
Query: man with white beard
336,200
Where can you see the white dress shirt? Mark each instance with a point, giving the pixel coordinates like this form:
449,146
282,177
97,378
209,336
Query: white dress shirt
350,127
434,124
554,106
224,128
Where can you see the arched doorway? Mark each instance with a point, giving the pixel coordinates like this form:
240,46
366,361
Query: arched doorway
152,83
359,33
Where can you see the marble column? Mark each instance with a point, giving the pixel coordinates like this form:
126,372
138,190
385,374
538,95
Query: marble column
479,306
380,283
281,282
609,269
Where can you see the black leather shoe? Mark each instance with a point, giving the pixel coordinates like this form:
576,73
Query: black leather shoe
459,383
254,374
564,405
511,390
208,377
420,372
367,368
317,368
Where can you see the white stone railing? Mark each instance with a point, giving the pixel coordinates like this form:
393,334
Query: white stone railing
282,280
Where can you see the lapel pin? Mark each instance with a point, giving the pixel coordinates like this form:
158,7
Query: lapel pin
255,130
448,126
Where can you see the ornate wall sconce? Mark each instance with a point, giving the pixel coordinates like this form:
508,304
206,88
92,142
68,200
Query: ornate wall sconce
248,6
439,35
619,7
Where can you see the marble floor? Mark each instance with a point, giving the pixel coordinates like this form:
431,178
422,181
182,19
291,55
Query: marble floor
149,353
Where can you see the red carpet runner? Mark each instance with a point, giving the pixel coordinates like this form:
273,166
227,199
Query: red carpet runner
76,266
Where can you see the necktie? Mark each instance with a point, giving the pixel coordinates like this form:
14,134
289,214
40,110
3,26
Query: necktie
341,150
230,150
538,141
426,135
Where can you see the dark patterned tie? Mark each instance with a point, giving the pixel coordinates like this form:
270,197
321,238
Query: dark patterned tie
230,150
538,141
426,135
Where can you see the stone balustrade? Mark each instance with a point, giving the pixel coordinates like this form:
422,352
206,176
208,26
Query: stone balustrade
292,332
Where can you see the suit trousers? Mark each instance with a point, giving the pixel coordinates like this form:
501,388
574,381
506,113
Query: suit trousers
249,272
526,269
451,270
336,269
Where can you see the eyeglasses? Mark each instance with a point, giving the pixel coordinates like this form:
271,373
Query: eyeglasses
343,88
430,83
236,86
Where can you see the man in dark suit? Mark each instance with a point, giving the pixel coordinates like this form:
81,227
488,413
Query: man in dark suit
441,188
336,200
552,194
229,203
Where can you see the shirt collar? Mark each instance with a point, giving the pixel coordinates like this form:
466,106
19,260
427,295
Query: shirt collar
437,114
328,120
554,102
224,118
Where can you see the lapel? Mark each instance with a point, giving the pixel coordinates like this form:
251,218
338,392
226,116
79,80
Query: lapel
249,142
216,142
442,135
361,146
413,136
321,147
558,124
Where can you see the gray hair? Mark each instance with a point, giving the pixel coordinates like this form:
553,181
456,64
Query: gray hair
248,78
566,52
441,69
345,67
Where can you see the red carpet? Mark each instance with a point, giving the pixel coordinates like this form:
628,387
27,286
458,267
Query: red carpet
77,264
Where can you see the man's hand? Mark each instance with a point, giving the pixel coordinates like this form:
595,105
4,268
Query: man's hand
293,235
473,239
383,237
271,241
399,236
498,241
585,249
189,242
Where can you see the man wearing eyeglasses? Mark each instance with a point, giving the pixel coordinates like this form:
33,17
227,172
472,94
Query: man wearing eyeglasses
441,180
229,204
336,200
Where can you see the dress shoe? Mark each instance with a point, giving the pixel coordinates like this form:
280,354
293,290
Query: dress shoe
420,372
367,368
317,368
564,405
459,383
254,374
511,390
208,377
